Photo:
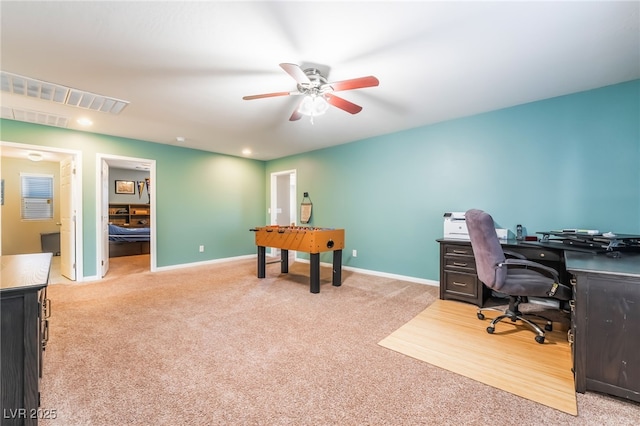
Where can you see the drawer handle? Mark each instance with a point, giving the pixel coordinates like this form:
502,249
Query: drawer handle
45,334
459,284
46,308
460,251
459,264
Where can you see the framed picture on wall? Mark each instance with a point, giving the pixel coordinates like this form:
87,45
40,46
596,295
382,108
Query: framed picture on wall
125,187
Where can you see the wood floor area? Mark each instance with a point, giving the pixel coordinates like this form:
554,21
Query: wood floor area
448,334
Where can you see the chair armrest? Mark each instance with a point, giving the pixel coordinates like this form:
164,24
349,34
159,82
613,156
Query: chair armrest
532,265
510,253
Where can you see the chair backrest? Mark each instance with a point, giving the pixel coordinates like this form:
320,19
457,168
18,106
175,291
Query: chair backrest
486,248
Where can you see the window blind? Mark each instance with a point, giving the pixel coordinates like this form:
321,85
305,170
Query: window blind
37,196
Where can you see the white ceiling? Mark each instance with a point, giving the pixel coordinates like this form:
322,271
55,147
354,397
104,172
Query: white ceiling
185,66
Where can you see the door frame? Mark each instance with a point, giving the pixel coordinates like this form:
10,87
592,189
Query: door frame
99,213
76,196
273,203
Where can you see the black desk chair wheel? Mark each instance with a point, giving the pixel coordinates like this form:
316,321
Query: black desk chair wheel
518,278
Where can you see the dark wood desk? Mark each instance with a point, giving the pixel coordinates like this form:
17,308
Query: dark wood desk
306,239
605,317
606,323
23,334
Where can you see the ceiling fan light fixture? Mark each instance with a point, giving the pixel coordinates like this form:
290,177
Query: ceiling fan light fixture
313,105
317,92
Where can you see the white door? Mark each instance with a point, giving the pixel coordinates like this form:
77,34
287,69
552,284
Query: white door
104,217
283,201
67,219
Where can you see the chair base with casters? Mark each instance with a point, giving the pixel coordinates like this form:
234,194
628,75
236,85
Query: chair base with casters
513,313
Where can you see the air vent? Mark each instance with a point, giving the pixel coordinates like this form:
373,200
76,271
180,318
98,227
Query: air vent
25,86
34,117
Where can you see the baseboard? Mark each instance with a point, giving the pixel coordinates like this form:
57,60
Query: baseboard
205,262
379,274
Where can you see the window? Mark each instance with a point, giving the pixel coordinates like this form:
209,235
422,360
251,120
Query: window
37,196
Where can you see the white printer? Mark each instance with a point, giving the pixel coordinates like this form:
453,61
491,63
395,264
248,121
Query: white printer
455,227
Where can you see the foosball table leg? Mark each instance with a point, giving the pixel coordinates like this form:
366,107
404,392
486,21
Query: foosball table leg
337,268
262,261
315,272
284,261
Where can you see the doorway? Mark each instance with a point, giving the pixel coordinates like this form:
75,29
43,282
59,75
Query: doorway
104,162
69,264
283,201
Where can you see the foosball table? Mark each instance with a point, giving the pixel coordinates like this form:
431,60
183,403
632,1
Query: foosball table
305,239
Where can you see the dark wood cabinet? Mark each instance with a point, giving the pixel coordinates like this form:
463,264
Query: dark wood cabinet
458,279
606,328
23,335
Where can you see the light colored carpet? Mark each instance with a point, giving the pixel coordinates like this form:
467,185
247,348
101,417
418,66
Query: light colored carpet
448,334
214,345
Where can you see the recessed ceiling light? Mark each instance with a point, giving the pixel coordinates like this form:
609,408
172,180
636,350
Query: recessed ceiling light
180,139
85,121
246,151
34,156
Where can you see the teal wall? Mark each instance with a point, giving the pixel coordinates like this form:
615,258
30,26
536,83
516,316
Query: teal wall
571,161
566,162
202,197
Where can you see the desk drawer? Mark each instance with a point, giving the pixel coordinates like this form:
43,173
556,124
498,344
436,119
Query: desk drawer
461,284
460,263
458,250
538,254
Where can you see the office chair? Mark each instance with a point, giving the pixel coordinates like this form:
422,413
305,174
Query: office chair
518,278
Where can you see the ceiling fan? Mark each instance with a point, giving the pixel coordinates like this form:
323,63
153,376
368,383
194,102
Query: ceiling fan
317,92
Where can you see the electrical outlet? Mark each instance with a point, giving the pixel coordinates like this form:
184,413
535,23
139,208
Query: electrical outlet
201,249
354,253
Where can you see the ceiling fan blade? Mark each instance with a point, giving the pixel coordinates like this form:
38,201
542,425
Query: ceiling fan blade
267,95
296,115
343,104
354,83
296,72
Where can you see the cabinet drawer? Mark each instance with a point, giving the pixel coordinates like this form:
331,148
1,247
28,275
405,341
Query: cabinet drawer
460,263
538,254
461,284
458,250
